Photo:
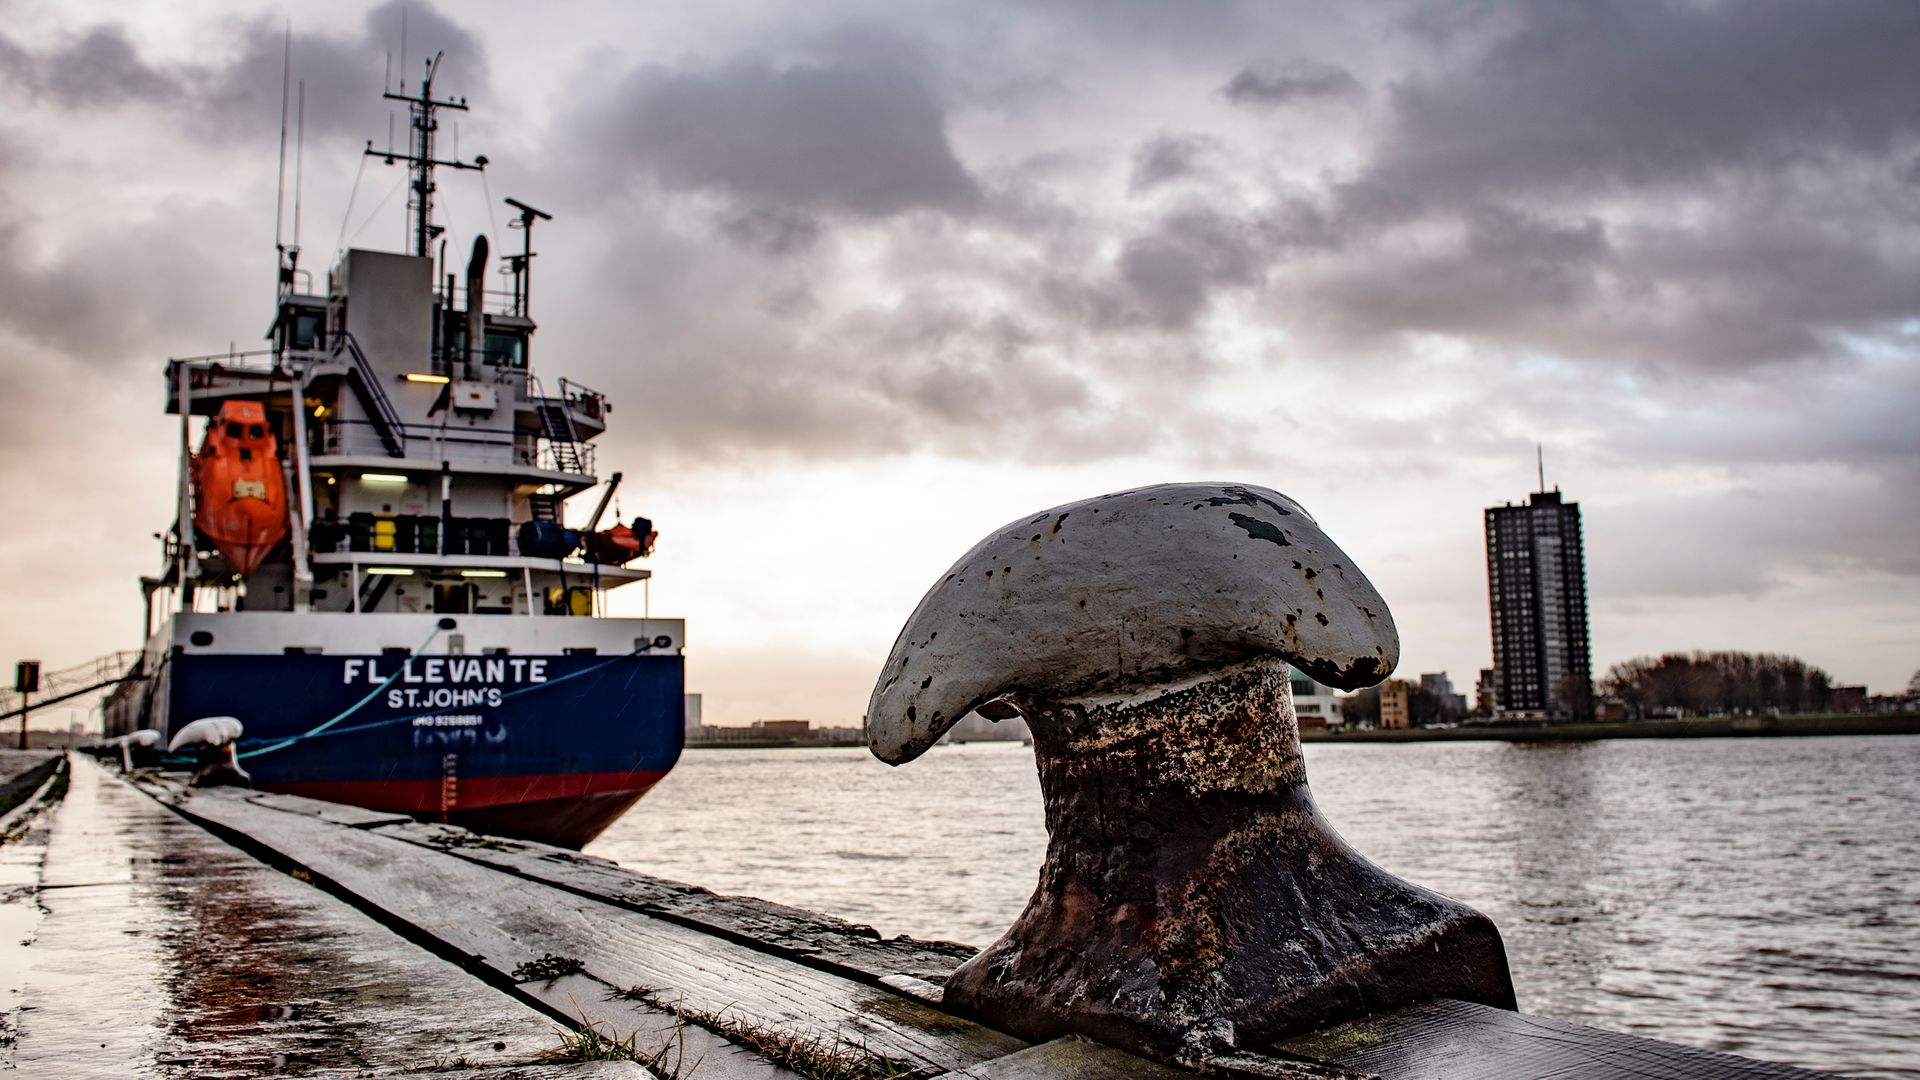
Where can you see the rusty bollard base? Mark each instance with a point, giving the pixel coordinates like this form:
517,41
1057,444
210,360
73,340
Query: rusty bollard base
1194,900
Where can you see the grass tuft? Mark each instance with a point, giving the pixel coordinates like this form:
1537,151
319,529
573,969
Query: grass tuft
589,1043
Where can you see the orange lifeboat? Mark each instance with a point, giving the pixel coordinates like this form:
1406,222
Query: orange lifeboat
621,544
241,502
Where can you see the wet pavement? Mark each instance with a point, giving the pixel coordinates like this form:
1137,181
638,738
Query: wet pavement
134,943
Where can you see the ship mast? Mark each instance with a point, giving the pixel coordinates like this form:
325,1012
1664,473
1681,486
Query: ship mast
420,161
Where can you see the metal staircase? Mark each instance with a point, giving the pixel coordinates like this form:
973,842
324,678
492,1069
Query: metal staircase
373,397
556,425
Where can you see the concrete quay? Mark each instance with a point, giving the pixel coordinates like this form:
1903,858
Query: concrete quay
154,930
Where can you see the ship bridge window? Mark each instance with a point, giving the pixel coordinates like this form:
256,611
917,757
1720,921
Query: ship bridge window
309,327
504,348
302,327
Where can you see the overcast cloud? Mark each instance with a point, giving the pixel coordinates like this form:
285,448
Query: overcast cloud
1377,252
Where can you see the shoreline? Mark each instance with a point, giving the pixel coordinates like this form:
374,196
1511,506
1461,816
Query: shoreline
1696,728
1720,727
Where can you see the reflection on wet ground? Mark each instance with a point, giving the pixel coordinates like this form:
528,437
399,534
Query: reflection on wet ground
157,950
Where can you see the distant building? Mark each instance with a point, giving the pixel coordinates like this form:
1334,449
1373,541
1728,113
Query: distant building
1537,593
693,716
1396,704
1848,699
1441,687
976,728
1486,694
782,729
1315,705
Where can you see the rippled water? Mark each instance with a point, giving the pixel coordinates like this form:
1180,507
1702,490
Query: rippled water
1758,896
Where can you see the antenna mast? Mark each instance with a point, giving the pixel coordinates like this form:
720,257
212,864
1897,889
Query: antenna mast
1540,462
522,264
280,186
420,161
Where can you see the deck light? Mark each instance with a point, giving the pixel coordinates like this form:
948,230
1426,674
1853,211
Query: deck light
382,478
390,571
483,573
437,380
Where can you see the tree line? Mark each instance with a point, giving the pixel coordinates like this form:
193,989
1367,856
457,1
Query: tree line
1718,682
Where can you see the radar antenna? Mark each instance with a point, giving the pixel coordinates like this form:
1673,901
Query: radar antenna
522,264
421,162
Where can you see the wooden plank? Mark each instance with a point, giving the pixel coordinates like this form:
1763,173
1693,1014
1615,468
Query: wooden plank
1456,1040
495,921
809,937
185,957
682,1049
355,817
587,1070
1070,1058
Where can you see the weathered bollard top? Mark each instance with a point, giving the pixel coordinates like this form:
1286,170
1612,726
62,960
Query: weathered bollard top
1193,900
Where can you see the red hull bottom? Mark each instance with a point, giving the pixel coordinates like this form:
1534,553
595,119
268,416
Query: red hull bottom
566,811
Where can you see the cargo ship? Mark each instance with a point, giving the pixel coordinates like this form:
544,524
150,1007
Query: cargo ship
371,567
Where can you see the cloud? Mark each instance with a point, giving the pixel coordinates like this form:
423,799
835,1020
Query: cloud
1499,274
1172,271
1169,157
80,300
1596,97
866,141
769,230
1661,186
101,67
1295,80
342,72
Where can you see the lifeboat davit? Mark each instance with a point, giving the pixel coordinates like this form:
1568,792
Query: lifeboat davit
241,496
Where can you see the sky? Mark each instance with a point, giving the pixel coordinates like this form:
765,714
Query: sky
867,280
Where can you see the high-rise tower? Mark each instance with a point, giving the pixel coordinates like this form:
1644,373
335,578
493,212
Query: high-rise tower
1537,592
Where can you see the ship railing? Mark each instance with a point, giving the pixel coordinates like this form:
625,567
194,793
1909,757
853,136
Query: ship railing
363,438
580,461
584,400
493,301
515,377
252,361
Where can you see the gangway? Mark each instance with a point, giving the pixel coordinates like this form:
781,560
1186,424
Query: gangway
76,681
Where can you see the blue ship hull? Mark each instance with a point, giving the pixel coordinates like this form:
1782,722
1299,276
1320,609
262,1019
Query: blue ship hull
550,748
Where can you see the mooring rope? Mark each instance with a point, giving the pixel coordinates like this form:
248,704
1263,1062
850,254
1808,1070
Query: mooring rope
351,709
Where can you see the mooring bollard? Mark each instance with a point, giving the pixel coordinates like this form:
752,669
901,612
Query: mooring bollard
1193,900
215,740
